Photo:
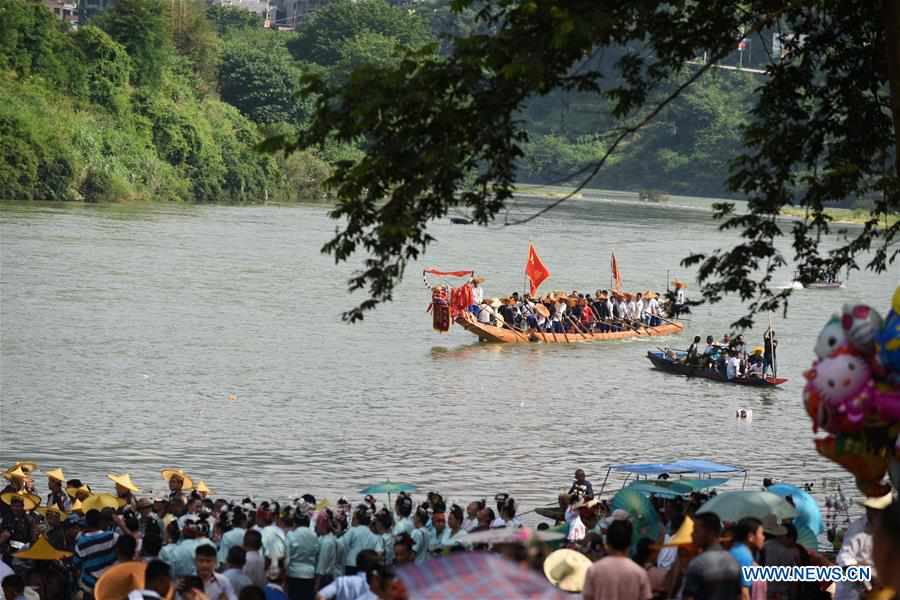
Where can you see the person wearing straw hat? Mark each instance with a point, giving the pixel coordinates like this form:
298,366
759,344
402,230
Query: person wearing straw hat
616,575
202,489
566,569
857,549
18,527
178,481
17,478
54,518
57,495
477,292
47,577
125,489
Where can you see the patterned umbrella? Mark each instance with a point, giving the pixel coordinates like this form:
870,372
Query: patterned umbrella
808,512
469,575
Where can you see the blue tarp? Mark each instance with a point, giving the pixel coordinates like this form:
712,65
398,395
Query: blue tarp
679,466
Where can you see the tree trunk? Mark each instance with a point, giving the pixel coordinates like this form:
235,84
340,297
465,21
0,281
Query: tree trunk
890,11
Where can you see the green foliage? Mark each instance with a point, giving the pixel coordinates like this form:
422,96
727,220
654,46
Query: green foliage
226,19
260,78
364,49
142,27
819,130
107,68
321,37
196,40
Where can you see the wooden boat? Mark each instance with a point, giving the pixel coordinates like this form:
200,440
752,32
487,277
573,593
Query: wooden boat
664,363
506,335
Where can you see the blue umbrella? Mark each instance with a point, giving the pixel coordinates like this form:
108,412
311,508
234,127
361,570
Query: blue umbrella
808,513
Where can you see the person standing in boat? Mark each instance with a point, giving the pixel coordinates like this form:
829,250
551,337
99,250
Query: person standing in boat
693,354
640,308
770,345
581,487
477,293
630,307
653,310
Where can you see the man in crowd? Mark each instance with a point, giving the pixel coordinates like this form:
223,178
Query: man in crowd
714,574
616,575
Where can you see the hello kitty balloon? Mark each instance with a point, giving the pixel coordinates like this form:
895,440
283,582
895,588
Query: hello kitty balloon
861,324
831,338
840,387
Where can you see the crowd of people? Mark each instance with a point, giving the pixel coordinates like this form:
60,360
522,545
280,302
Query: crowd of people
576,312
730,358
59,545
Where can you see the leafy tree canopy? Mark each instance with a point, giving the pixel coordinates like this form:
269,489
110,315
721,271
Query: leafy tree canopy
321,37
822,128
143,28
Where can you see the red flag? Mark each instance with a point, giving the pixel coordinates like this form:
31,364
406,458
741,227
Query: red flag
617,277
535,270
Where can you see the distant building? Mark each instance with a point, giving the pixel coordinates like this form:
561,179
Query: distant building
260,7
64,10
292,12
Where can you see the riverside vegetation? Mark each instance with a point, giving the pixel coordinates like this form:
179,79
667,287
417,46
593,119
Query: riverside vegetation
147,102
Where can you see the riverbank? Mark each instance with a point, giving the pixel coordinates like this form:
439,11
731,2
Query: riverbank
847,216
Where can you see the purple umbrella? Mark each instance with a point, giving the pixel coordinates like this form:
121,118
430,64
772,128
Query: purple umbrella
470,575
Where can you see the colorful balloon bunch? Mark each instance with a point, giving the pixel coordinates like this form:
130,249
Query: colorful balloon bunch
853,393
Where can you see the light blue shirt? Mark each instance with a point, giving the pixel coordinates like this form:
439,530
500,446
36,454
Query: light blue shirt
421,541
386,547
327,563
180,556
232,537
302,552
356,540
404,525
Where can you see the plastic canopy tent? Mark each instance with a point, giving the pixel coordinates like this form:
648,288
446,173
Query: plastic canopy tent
678,467
672,488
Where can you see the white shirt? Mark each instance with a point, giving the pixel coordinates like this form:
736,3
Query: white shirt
470,524
350,587
667,555
577,530
731,367
679,296
218,588
653,307
498,523
477,294
484,316
639,307
856,550
631,309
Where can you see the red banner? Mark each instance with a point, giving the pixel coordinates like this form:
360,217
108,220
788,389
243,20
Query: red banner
535,270
449,273
617,277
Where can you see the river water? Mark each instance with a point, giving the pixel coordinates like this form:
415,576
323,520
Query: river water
125,331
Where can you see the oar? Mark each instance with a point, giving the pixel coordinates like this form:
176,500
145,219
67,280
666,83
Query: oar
577,326
515,330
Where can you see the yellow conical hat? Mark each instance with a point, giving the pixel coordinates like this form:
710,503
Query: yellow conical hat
202,487
30,501
187,482
56,474
42,550
684,535
125,481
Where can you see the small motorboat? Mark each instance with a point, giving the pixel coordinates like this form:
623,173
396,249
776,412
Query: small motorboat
460,221
672,362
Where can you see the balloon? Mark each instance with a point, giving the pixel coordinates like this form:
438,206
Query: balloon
861,323
831,338
842,382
